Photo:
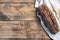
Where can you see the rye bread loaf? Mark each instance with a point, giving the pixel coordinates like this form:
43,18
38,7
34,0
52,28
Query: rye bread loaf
48,18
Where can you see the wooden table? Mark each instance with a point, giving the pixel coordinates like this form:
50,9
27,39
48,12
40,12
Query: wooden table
19,22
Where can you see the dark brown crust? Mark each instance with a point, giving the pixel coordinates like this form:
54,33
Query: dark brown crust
48,18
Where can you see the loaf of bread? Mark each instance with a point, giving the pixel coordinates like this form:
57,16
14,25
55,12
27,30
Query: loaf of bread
48,18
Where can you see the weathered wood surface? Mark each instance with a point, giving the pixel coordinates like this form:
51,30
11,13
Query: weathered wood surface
21,29
18,20
22,39
18,11
17,1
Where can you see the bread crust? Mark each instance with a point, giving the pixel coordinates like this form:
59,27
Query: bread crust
48,18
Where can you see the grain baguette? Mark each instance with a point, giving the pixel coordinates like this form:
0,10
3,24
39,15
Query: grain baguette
48,18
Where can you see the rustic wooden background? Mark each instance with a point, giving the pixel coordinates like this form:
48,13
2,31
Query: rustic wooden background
18,21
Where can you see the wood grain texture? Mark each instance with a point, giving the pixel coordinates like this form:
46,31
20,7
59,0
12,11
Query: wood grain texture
22,39
30,1
21,29
18,21
18,11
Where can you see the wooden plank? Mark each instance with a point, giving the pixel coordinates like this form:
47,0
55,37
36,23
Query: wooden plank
22,39
25,26
18,11
21,29
12,29
17,1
